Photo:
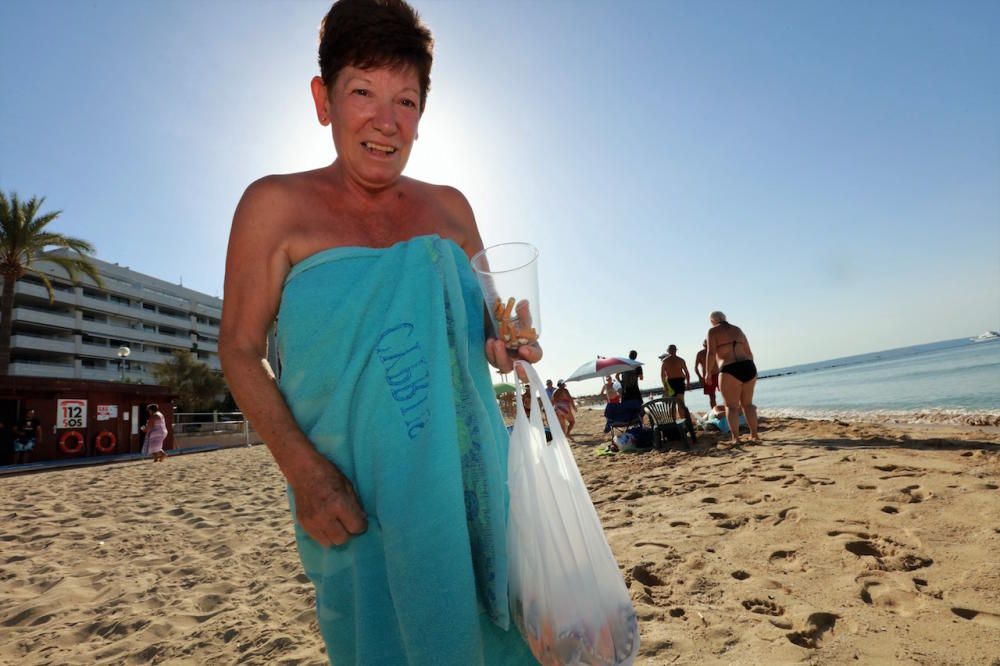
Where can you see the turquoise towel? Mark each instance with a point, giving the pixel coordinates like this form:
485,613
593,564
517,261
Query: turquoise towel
382,365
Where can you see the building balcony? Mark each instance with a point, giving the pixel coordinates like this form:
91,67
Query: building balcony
63,321
135,335
115,375
206,345
35,343
206,329
39,292
23,369
111,354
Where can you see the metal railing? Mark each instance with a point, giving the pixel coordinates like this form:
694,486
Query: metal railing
222,424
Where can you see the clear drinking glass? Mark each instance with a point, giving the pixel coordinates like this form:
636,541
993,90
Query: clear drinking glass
508,275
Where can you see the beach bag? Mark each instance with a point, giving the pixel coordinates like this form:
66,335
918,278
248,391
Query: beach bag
642,437
567,595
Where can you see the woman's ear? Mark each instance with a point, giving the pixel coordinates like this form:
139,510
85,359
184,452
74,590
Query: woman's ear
321,99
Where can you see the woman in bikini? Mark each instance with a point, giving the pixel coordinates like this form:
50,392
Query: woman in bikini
565,407
729,354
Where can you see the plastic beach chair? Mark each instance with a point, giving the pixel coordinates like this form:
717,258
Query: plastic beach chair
668,424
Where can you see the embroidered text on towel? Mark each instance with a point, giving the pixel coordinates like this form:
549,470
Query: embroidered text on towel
406,373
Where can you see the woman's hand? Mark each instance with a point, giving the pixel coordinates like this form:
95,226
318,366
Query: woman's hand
326,505
500,357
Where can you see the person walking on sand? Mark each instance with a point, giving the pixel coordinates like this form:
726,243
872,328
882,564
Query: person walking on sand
629,381
549,388
156,433
729,352
676,380
609,392
384,420
674,375
565,408
709,383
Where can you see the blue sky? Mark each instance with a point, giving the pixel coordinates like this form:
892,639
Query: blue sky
828,174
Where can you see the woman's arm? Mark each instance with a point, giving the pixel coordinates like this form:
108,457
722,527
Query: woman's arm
256,266
746,344
710,362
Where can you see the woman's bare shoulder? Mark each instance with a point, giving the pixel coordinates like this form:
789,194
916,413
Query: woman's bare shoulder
455,215
279,195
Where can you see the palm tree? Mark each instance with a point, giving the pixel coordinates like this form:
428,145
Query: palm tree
23,239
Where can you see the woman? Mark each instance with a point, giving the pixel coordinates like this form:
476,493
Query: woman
383,421
729,354
156,433
565,408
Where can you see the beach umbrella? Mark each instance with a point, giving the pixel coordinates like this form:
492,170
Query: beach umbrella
603,367
503,387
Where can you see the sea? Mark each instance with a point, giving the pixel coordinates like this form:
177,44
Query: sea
953,381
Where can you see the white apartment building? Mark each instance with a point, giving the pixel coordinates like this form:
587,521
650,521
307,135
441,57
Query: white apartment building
80,333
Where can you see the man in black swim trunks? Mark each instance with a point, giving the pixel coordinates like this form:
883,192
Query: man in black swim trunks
676,379
675,375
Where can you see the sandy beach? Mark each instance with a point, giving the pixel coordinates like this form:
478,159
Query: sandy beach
830,543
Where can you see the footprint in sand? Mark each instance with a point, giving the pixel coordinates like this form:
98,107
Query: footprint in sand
980,617
732,523
783,558
889,597
817,626
740,575
716,515
785,514
763,607
680,523
888,555
888,508
641,574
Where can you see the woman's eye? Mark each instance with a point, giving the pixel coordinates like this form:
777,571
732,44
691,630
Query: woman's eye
360,91
408,102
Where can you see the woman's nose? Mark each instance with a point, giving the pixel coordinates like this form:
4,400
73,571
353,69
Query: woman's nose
385,118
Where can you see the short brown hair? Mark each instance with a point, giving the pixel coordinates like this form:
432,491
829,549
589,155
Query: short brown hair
375,33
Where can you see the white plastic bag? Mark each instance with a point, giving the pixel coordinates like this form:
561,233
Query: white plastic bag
567,595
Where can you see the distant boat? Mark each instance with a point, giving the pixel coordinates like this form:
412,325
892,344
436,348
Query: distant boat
988,335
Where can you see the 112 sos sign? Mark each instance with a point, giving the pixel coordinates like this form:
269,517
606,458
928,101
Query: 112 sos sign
71,414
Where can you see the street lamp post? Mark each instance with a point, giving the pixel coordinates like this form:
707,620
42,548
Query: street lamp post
123,353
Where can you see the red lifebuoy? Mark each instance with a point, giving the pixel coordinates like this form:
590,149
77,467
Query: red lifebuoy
65,444
105,442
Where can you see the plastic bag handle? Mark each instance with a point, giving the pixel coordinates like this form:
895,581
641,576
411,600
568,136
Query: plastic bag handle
550,411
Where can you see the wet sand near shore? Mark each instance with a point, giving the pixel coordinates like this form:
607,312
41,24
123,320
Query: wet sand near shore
829,543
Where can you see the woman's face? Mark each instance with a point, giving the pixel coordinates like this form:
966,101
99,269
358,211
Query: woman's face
374,115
